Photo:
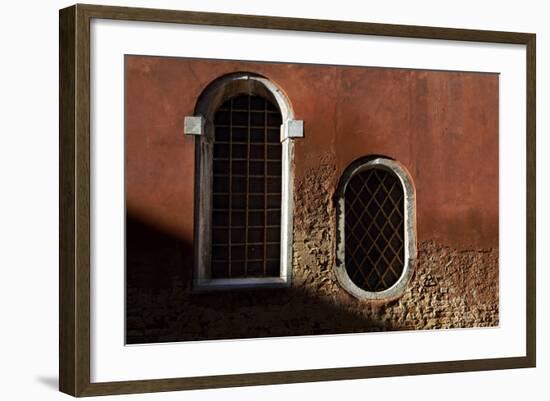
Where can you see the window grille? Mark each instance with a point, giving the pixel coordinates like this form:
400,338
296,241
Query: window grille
246,202
374,229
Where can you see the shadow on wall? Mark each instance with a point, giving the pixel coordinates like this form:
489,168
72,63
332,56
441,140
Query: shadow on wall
160,306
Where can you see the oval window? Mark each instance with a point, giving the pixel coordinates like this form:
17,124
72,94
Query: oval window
376,221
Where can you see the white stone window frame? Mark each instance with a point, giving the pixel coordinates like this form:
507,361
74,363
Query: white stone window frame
202,126
409,237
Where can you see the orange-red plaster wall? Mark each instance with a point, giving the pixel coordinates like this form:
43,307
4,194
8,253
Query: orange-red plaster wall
443,126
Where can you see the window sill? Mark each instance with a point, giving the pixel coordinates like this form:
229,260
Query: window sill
241,283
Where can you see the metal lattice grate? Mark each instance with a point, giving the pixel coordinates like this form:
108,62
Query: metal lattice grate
247,186
374,229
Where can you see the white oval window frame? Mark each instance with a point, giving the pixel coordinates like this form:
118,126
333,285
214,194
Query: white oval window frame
409,208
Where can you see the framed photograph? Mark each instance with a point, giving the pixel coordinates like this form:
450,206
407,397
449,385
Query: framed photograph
250,200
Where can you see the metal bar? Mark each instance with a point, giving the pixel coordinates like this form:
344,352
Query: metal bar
244,175
241,126
248,243
243,159
230,184
250,210
265,188
269,226
252,193
247,188
243,260
252,111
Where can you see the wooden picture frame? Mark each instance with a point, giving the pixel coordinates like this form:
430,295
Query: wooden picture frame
74,204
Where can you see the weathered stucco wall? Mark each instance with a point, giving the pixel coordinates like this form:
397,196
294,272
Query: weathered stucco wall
443,126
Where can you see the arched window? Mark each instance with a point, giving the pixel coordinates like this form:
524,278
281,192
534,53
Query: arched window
376,246
243,221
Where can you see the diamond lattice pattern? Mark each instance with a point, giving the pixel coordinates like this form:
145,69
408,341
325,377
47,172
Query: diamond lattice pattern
374,229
